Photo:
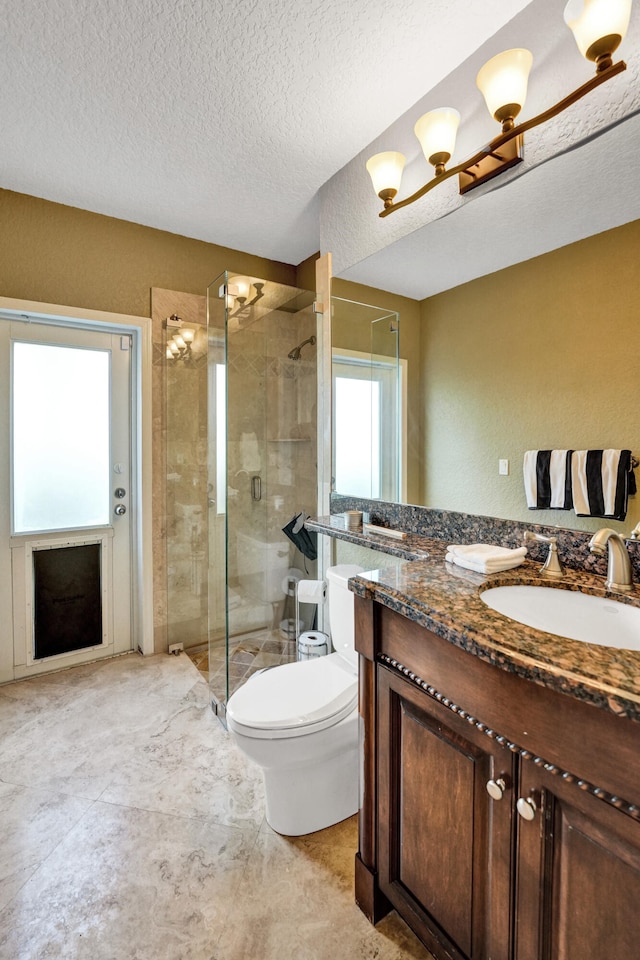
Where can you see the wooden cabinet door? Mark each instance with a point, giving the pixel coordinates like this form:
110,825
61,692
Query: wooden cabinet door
445,847
578,875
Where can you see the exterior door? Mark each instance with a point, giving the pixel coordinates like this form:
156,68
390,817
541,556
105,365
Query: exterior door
65,496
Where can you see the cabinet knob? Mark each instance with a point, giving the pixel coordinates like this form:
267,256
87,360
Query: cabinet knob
496,788
526,807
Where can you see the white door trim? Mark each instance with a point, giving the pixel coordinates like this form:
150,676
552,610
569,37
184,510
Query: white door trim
140,328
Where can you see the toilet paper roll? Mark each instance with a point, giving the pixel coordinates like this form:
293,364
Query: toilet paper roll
311,591
312,644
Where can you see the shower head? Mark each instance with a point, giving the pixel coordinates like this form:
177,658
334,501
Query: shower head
295,353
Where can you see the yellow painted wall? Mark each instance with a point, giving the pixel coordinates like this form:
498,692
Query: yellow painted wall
544,354
58,254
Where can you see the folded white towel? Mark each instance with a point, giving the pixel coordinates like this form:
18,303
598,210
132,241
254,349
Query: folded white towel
485,557
484,567
480,552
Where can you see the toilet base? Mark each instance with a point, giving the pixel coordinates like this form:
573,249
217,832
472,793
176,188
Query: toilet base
312,781
303,800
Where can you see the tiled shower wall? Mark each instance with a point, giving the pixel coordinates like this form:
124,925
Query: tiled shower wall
271,431
180,475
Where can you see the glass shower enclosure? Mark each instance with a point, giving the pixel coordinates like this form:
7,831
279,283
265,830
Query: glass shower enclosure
261,472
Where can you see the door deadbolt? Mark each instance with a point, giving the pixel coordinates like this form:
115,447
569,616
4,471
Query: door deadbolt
120,509
119,492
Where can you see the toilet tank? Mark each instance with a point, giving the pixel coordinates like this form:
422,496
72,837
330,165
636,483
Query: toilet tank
341,618
261,567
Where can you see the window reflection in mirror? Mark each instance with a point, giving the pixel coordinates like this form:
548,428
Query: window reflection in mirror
368,402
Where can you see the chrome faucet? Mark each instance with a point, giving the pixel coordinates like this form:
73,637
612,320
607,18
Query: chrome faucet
552,568
618,563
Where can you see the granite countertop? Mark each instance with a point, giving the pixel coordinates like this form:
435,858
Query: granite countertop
413,547
446,599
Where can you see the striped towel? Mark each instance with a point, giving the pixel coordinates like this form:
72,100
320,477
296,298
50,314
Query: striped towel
547,479
603,480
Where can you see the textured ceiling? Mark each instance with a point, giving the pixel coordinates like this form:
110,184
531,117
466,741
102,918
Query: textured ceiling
218,120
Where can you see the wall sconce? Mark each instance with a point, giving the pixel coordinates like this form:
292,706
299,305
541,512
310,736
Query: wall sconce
599,26
188,335
236,294
180,344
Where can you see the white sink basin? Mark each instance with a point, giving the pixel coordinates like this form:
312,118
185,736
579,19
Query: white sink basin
568,613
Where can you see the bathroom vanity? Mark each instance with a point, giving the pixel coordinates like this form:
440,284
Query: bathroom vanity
501,773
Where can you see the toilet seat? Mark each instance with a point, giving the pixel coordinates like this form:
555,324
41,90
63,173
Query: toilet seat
294,699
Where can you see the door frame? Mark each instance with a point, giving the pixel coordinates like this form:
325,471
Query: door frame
140,330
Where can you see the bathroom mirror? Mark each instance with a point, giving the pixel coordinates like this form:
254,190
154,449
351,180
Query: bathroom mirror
551,364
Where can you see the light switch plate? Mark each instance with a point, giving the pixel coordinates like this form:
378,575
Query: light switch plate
503,468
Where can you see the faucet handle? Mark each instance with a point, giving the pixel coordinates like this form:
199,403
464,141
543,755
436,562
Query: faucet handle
635,533
552,568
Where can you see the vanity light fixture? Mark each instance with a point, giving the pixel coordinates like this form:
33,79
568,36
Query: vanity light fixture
599,26
237,293
179,347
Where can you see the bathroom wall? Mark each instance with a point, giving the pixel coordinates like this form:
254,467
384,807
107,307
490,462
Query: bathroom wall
541,355
59,254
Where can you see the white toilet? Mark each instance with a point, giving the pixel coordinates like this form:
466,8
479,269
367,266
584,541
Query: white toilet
299,722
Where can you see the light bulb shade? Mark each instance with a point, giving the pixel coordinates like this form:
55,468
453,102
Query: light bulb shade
179,342
242,287
503,83
174,348
599,26
385,170
436,132
188,334
169,354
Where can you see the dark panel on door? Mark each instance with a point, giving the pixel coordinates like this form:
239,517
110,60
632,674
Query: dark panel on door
67,599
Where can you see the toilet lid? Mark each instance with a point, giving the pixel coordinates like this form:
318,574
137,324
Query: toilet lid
294,697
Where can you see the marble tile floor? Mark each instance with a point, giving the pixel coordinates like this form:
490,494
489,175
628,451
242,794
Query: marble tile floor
248,653
131,828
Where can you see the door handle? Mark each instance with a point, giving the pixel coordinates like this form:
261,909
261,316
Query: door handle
256,488
119,509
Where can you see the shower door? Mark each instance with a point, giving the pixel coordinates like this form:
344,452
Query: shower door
262,470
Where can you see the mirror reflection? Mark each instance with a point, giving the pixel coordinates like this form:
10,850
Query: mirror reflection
368,402
541,355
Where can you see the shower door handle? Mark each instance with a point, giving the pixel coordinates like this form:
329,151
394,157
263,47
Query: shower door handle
256,488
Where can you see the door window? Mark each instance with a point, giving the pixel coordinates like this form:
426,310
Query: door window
60,437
